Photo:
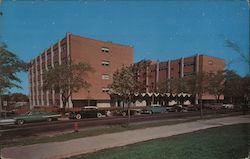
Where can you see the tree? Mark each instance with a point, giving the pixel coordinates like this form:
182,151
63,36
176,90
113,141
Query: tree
246,89
18,97
216,84
233,86
126,82
166,86
177,85
66,79
243,56
10,65
197,85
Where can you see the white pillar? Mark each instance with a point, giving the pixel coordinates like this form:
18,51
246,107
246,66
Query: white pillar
169,73
30,87
37,92
197,62
182,67
33,84
70,104
147,69
46,67
41,79
157,74
60,62
52,64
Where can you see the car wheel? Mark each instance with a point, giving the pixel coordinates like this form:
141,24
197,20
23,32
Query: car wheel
99,115
78,116
150,112
20,122
49,119
124,113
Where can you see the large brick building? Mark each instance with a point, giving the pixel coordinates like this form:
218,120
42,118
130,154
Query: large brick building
159,72
104,57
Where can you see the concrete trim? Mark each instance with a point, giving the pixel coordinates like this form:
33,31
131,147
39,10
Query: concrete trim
41,79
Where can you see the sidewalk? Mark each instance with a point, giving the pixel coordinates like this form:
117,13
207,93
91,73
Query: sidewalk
57,150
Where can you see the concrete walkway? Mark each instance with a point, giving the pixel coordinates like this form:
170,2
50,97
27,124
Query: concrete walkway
57,150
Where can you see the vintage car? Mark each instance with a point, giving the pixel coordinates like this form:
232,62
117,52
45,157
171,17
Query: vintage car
124,112
36,116
87,112
154,109
7,122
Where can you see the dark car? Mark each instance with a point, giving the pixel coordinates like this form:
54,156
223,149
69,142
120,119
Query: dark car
177,108
87,112
154,109
125,112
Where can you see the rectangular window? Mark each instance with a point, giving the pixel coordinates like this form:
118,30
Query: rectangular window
105,90
105,49
188,74
105,77
105,63
55,51
63,47
188,64
48,56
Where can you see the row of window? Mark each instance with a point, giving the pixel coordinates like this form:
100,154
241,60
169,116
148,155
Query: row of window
105,49
189,64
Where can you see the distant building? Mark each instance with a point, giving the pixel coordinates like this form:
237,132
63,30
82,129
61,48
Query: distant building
161,71
104,57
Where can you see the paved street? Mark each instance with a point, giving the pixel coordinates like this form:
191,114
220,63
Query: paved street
69,148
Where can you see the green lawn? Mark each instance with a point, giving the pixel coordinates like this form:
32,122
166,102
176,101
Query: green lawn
228,142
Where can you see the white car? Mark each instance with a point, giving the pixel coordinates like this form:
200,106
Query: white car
228,106
7,122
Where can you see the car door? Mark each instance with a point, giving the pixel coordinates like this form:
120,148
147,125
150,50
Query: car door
34,116
92,112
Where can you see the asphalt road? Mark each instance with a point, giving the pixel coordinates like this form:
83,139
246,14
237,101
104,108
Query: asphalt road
16,131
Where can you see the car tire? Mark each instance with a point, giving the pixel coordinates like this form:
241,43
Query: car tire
124,113
99,115
78,116
150,112
49,119
20,122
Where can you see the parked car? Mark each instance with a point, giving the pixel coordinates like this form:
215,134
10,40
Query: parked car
177,108
36,116
87,112
228,106
154,109
125,112
192,107
7,122
213,106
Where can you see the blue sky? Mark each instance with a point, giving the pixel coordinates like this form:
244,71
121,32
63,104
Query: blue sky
158,30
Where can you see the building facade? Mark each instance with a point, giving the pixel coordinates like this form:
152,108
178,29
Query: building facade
103,57
158,72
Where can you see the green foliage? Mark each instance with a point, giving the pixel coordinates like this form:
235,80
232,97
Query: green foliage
125,81
198,83
216,83
232,84
177,85
10,64
67,78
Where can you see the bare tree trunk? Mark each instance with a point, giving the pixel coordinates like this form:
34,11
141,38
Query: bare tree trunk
196,99
201,108
1,106
128,120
